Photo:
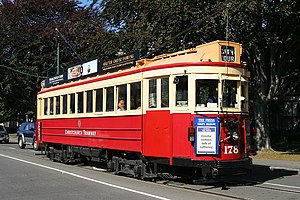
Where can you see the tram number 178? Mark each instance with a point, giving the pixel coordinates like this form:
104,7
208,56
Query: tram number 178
231,150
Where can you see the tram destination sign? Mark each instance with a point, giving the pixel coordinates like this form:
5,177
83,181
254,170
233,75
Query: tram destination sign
120,62
206,135
228,53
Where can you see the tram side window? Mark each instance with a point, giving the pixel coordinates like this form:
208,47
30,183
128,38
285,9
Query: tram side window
122,97
65,104
99,100
207,93
230,93
80,102
57,105
135,95
46,106
152,93
164,92
109,99
181,90
51,105
72,103
89,101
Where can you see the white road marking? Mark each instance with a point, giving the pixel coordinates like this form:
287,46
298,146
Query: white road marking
12,148
274,184
86,178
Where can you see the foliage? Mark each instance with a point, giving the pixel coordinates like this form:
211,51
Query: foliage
268,30
28,38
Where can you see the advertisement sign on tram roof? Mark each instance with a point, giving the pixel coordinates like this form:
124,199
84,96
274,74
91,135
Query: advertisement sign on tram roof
83,69
93,67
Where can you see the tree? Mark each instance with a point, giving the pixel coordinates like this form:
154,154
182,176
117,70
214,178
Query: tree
267,29
269,33
28,40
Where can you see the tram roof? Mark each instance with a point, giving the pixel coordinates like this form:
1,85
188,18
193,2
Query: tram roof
213,52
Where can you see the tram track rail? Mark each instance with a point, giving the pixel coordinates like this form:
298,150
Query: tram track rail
223,185
226,189
274,186
207,188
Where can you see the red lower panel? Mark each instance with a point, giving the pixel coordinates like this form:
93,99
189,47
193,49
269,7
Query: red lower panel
122,133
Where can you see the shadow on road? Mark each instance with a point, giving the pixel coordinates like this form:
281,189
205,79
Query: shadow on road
262,173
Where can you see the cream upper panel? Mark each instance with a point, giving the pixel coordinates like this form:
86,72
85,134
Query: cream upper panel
94,85
210,52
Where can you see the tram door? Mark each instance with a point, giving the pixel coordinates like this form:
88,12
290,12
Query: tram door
157,138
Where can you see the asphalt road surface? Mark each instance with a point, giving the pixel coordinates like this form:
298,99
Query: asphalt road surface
26,174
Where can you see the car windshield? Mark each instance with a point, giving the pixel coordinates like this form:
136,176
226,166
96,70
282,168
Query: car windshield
31,126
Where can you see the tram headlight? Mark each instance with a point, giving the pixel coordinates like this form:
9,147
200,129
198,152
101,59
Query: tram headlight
235,136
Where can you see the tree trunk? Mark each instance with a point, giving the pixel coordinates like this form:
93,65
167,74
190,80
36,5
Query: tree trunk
262,123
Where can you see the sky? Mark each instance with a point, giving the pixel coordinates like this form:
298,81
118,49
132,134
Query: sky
86,2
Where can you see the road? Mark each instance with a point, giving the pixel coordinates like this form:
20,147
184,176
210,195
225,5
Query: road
26,174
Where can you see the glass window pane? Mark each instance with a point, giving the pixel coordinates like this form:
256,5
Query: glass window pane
164,92
135,95
207,93
51,106
181,90
89,101
152,93
230,93
57,105
46,106
122,97
80,102
72,103
65,104
109,99
99,100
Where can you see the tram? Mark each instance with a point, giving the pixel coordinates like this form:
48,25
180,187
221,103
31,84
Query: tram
180,113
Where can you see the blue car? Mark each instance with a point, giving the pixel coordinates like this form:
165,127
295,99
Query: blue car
26,134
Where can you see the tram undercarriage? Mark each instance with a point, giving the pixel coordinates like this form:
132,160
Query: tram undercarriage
135,165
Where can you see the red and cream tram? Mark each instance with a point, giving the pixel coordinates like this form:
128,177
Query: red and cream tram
182,112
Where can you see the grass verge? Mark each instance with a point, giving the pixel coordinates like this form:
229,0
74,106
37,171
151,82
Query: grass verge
276,155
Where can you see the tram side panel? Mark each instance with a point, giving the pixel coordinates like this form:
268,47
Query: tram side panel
119,133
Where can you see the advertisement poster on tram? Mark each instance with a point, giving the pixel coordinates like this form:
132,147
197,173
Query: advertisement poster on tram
83,69
207,136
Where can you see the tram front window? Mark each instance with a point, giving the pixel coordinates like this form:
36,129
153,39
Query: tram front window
230,94
207,93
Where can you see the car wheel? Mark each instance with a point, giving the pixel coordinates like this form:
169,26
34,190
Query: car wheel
6,141
35,145
21,143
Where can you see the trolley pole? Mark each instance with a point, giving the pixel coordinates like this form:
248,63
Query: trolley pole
57,59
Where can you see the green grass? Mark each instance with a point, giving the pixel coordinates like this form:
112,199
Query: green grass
277,155
13,136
